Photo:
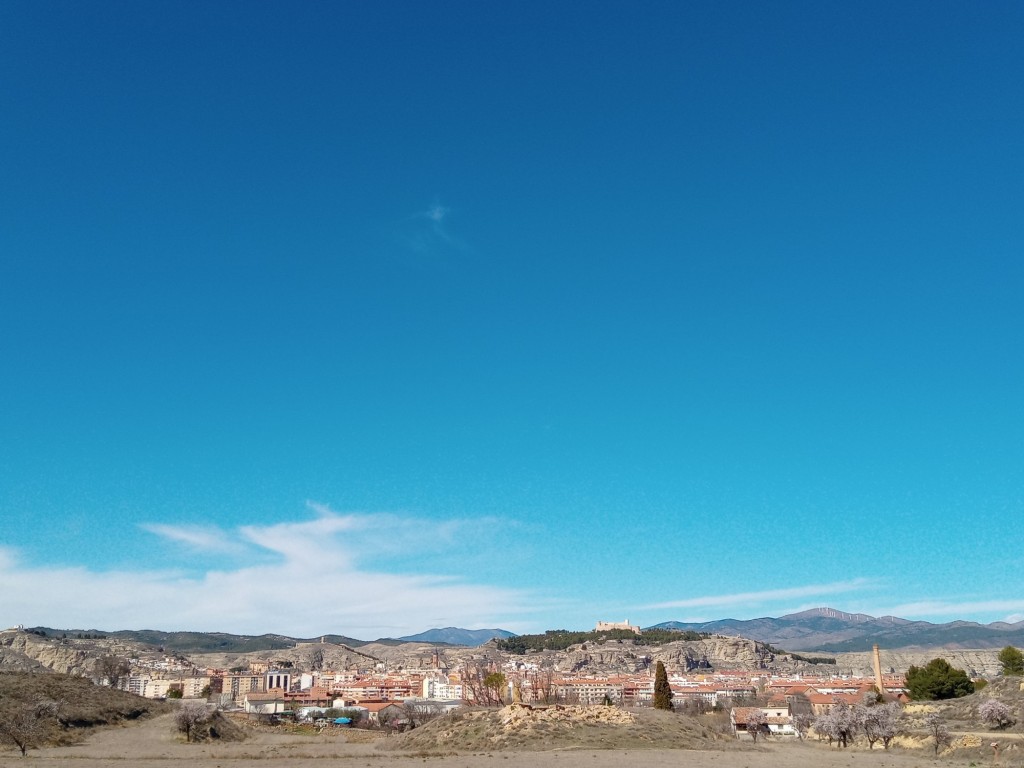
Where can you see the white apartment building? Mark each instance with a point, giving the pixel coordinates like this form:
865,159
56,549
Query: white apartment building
275,678
441,689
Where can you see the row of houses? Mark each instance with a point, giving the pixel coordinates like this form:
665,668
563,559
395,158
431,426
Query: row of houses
801,698
708,689
639,691
277,702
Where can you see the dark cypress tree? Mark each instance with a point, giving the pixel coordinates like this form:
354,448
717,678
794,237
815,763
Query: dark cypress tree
662,691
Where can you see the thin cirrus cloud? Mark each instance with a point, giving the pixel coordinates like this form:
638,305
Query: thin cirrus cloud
299,578
340,536
437,212
198,538
1013,609
755,599
429,230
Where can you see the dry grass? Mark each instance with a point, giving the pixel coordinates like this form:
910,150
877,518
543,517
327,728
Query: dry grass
521,729
153,743
83,705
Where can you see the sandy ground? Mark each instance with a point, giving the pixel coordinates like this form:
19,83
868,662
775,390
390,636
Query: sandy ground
155,745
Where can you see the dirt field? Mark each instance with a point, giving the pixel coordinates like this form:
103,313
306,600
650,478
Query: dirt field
154,744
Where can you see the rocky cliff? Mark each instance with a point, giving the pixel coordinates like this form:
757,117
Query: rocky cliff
976,663
26,651
614,657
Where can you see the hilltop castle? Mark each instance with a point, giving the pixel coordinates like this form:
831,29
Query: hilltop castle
604,626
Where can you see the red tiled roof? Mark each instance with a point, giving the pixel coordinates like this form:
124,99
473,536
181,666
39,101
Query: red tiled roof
269,696
740,714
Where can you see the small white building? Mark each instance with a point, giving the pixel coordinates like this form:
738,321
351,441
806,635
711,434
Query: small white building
269,703
379,712
777,719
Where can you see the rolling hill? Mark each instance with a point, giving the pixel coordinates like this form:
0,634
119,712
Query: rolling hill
456,636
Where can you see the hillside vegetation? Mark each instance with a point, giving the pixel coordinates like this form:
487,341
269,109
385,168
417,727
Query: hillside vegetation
80,706
561,639
962,712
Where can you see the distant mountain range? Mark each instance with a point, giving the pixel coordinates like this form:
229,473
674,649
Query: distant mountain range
819,629
223,642
826,629
202,642
456,636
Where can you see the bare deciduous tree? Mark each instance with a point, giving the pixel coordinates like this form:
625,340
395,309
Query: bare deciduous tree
882,722
757,723
111,670
542,683
486,689
839,724
938,730
419,713
472,678
25,724
190,715
802,724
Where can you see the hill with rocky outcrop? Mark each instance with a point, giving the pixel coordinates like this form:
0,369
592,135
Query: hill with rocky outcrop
27,651
611,657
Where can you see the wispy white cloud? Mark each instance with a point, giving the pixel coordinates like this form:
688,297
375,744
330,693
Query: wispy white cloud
385,534
312,540
200,538
958,608
764,597
430,230
304,578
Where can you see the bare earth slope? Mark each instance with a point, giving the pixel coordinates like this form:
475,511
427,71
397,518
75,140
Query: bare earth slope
153,744
516,727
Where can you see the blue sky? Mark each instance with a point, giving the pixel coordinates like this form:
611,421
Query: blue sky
372,317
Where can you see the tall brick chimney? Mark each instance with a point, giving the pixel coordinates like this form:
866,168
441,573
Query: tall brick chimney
878,669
